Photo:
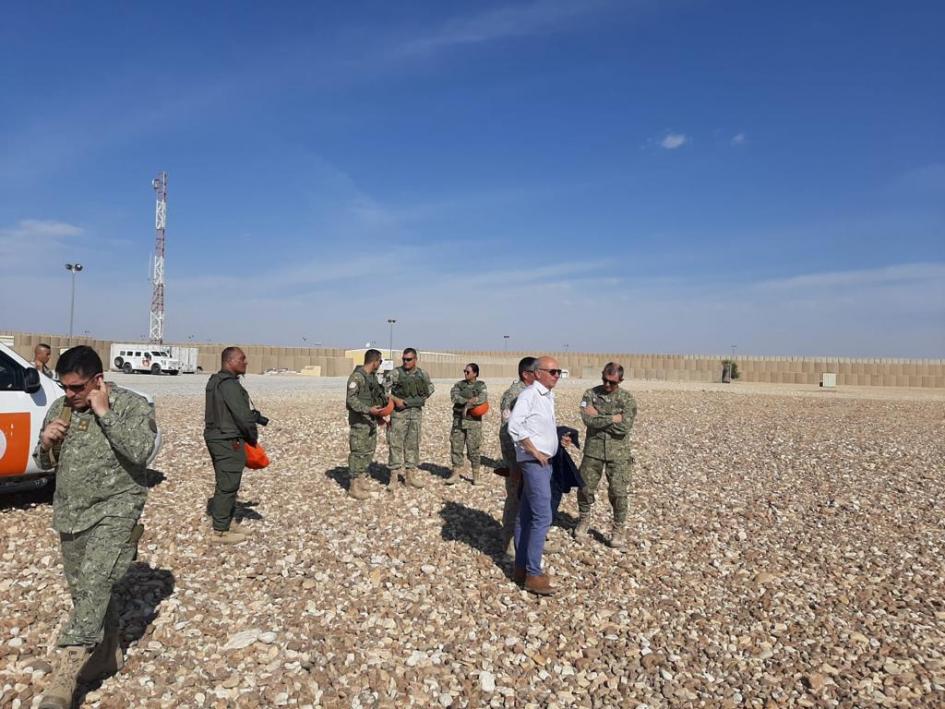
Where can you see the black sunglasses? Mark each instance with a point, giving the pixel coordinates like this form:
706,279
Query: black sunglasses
552,372
75,388
611,382
408,359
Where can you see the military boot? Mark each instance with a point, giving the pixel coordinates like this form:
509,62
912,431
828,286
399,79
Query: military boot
509,545
61,687
227,537
106,659
617,540
393,482
358,490
474,475
580,532
414,479
453,478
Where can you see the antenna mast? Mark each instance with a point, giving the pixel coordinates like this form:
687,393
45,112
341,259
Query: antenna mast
156,324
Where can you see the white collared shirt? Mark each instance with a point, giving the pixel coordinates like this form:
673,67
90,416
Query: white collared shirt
534,418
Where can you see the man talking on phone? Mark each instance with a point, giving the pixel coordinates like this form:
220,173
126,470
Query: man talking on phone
98,438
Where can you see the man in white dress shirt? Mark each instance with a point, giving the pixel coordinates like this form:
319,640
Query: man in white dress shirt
533,428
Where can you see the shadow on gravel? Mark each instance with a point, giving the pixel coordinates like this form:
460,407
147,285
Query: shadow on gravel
42,495
490,462
339,474
139,596
154,477
242,510
439,470
473,527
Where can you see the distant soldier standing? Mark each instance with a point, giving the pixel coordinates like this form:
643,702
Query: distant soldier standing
98,437
410,387
41,354
608,412
513,483
365,399
229,422
466,431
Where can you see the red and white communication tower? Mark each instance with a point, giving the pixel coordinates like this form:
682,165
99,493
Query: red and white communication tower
156,324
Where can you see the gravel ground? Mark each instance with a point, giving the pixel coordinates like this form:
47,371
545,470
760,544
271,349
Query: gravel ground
786,548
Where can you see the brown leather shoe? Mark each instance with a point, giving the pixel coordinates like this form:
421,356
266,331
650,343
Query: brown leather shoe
518,575
539,585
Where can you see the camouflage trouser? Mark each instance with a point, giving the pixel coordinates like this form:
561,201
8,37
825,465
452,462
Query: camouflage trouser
362,440
465,435
229,459
403,438
94,561
618,486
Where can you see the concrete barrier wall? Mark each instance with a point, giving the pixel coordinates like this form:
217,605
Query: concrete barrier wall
337,362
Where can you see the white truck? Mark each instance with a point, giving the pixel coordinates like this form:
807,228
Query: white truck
142,358
25,397
187,357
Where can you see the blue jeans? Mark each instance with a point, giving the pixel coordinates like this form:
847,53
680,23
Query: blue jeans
534,516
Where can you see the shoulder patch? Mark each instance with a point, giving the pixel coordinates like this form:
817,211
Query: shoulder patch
352,385
583,404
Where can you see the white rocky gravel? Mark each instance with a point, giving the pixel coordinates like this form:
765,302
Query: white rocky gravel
787,547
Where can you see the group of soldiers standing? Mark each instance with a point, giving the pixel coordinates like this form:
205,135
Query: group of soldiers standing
99,437
397,402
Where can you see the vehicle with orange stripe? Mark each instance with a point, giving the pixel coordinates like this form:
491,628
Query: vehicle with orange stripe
25,397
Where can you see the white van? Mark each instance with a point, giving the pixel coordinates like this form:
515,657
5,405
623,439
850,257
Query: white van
25,397
147,359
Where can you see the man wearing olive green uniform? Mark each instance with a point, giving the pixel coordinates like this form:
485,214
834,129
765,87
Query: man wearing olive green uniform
513,482
364,400
466,432
410,387
229,423
608,412
98,438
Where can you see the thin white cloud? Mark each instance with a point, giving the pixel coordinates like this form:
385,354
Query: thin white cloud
672,141
739,139
40,229
901,273
504,22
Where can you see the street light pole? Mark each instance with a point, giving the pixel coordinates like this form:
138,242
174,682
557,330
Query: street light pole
74,268
391,321
505,341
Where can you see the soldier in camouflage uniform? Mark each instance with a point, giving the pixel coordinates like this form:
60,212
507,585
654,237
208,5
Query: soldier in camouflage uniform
409,387
98,438
513,483
608,412
466,432
365,399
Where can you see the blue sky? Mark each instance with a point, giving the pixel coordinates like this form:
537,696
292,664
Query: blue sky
614,176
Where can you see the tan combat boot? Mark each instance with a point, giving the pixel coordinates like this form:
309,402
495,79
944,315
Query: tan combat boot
617,540
509,546
107,658
357,489
61,687
453,478
227,537
580,532
393,482
414,479
475,476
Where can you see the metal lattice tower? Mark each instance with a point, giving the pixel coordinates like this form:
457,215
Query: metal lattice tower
156,324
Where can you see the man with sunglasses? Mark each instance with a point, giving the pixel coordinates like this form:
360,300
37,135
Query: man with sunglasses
98,437
466,431
608,412
409,387
533,427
